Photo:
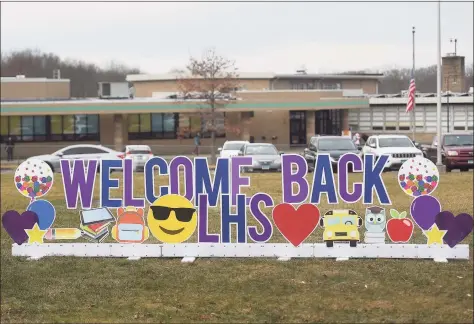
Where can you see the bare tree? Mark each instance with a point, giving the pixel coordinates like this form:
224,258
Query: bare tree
212,79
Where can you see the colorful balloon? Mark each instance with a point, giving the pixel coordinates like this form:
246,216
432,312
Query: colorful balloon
424,209
419,172
33,178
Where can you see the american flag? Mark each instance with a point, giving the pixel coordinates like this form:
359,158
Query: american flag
411,94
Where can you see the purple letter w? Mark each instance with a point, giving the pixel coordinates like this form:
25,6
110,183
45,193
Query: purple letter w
78,181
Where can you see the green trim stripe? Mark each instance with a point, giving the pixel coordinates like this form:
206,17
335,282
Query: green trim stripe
131,108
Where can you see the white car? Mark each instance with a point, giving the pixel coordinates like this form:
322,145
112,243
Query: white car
139,154
399,147
231,148
75,152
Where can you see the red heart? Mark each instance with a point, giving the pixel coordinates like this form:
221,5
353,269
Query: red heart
296,225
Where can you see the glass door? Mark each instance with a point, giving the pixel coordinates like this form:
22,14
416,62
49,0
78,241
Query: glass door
328,122
298,128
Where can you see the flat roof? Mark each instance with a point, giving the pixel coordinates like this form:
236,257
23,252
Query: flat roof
157,105
419,100
20,79
373,100
174,76
259,75
341,76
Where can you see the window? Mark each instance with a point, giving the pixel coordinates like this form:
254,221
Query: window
51,128
345,144
233,146
106,89
190,125
153,125
73,151
74,128
394,118
84,150
331,85
93,150
300,86
395,142
24,128
3,126
458,140
261,150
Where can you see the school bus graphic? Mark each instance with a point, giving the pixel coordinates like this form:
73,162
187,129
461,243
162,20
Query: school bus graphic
341,225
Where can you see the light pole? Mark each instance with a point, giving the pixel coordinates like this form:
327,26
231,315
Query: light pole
454,40
448,114
439,104
447,94
414,76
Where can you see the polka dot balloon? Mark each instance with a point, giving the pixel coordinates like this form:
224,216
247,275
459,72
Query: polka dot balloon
33,178
418,177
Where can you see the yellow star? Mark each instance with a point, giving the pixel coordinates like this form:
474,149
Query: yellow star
35,235
435,235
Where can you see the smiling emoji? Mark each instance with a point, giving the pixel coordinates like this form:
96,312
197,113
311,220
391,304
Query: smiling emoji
172,219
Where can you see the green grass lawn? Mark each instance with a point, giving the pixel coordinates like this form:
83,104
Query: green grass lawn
64,289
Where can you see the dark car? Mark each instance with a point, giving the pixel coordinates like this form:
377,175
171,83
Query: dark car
457,151
335,146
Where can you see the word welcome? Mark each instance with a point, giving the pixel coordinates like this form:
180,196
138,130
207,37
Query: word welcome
79,180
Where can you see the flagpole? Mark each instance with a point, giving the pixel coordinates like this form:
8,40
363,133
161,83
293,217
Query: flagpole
439,103
414,76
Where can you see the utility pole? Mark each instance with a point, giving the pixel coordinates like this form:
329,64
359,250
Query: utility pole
439,104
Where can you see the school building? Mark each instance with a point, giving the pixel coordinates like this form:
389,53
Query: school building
284,109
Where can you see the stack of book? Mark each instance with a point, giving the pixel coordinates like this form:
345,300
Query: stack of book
374,238
95,232
95,224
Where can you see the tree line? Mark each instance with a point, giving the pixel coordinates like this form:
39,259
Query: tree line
84,76
396,80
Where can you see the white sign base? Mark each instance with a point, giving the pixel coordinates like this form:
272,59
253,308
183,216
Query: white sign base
282,251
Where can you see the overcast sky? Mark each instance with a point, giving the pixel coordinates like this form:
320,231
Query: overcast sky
260,37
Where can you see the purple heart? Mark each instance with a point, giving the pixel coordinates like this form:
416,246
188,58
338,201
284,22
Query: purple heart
457,227
15,224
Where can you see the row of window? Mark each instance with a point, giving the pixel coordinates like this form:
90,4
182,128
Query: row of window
86,127
382,119
173,125
311,85
50,128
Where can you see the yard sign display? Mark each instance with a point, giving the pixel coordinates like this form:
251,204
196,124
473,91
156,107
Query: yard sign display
174,215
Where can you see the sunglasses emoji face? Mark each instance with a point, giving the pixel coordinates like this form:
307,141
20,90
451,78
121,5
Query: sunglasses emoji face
172,219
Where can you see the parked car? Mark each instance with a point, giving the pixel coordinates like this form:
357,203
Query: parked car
231,148
81,151
265,157
419,146
335,146
399,148
139,154
457,151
